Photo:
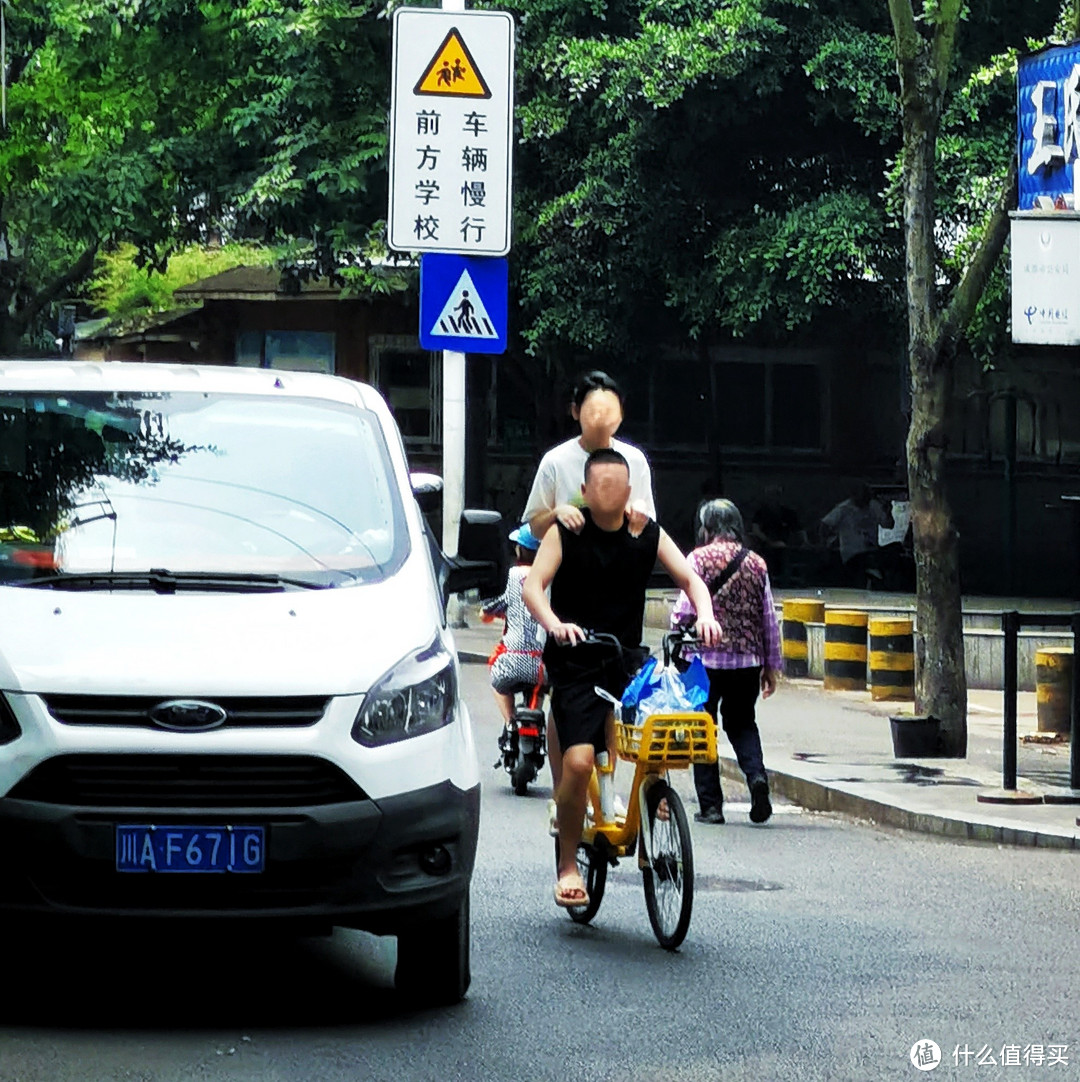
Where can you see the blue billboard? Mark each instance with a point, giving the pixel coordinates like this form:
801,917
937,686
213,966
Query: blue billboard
1048,127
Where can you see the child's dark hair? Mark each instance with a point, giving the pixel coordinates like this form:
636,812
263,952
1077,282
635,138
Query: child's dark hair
525,555
596,381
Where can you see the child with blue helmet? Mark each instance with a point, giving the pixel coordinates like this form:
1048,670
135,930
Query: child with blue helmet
515,662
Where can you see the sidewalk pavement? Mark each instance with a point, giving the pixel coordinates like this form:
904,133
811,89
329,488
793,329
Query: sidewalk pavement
832,751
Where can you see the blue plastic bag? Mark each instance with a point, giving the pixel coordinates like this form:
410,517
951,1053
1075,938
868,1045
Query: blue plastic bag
696,682
668,697
677,693
641,684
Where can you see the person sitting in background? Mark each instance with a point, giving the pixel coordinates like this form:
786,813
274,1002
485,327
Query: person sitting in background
853,524
774,529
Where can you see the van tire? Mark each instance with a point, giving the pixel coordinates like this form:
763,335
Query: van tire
433,960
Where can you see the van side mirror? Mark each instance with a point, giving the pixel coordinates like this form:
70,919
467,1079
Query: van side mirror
427,488
481,560
482,541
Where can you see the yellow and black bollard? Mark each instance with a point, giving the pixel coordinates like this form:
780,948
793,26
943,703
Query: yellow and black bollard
845,650
797,613
1053,688
892,659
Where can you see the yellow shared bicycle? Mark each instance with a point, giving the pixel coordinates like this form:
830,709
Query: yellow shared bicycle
655,828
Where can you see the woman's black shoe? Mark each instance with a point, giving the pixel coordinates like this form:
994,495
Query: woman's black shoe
711,815
760,805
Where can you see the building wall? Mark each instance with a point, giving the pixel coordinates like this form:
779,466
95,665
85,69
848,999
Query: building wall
351,322
863,431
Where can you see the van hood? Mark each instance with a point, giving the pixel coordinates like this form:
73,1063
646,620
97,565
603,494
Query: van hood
305,642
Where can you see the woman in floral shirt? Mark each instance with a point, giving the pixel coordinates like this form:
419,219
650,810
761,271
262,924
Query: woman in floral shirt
747,661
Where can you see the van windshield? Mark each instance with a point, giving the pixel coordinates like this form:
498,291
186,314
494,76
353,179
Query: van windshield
116,484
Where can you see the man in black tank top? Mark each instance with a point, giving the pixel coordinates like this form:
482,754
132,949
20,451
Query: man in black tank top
597,580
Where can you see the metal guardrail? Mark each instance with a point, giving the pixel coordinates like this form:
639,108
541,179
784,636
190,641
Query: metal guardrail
1011,623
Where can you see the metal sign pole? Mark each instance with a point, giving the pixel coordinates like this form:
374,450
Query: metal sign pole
453,418
453,450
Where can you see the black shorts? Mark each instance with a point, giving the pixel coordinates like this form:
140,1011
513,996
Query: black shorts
580,715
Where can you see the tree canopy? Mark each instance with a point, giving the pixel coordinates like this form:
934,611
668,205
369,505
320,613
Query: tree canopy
684,169
158,121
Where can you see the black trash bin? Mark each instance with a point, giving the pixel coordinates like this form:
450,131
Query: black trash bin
915,736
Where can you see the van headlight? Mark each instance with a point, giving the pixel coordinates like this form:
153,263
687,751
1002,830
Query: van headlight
418,695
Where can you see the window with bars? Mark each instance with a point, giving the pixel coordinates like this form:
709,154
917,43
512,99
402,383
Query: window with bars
762,404
296,351
410,379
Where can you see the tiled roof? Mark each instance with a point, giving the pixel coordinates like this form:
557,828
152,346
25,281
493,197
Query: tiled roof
253,283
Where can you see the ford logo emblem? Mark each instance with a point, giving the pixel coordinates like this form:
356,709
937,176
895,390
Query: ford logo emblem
188,715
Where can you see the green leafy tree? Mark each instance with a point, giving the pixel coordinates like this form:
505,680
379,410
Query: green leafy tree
783,172
120,287
94,150
156,123
682,177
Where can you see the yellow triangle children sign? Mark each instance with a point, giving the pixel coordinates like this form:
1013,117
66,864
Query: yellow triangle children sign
453,71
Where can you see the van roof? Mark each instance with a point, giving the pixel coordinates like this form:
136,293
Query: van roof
73,376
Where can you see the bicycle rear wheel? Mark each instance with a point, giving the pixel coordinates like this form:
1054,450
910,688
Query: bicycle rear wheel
592,867
668,876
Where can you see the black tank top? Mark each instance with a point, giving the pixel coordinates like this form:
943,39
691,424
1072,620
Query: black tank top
600,584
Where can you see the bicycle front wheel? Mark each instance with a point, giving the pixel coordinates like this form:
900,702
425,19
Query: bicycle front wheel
668,874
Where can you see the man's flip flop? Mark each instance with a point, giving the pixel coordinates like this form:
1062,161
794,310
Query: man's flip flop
570,892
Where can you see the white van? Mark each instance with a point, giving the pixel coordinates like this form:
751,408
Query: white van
227,686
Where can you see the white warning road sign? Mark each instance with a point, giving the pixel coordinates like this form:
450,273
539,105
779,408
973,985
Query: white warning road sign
451,131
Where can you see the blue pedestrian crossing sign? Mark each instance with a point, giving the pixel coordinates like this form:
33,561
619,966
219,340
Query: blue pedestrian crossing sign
463,303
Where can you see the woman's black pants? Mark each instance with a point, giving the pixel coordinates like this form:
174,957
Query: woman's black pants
735,691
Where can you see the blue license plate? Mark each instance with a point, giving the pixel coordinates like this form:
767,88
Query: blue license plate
152,848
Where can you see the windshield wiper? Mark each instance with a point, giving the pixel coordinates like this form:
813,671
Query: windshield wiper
163,581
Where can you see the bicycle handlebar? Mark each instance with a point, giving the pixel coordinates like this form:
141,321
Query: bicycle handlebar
674,641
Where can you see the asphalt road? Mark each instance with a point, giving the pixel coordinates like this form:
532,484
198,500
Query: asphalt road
820,949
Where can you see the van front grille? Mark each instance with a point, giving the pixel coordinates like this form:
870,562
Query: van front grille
187,781
134,710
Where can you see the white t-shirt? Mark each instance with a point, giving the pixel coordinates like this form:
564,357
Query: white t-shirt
562,470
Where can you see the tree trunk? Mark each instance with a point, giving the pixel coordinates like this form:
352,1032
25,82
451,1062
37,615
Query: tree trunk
17,320
940,678
940,681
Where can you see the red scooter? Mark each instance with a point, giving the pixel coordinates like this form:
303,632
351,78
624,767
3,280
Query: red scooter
523,741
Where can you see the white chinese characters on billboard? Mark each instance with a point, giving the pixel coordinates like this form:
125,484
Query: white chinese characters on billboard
1048,123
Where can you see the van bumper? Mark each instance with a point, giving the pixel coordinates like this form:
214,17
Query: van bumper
378,865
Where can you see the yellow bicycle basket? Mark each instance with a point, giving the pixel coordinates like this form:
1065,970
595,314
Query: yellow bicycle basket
669,739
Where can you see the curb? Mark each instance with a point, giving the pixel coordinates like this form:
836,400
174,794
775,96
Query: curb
814,796
471,657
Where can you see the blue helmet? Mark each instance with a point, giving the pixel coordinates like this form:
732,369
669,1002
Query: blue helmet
524,537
